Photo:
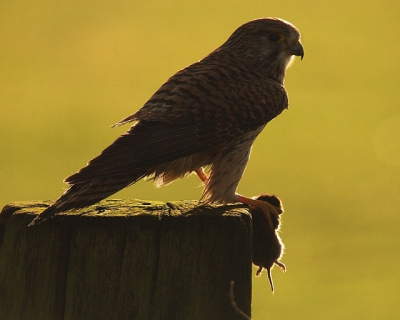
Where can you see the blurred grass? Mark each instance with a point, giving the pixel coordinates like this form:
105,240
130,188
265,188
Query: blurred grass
70,70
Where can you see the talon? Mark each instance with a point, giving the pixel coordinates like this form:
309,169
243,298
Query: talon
267,208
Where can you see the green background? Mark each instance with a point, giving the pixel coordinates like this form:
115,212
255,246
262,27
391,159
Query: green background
71,69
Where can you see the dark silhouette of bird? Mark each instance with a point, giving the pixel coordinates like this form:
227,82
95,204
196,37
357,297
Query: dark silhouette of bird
205,116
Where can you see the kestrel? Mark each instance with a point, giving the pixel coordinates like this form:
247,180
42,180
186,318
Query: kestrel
205,116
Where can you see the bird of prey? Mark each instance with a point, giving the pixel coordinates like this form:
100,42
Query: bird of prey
204,119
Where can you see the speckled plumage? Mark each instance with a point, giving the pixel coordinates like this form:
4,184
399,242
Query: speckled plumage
206,115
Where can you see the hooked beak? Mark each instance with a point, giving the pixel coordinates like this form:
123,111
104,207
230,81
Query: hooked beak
297,50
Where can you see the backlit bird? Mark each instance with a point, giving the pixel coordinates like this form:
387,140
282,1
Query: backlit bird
205,116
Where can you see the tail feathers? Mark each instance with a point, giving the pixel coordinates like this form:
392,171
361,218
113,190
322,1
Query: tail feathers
81,195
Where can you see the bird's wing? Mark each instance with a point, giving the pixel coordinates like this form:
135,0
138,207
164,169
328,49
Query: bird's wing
146,144
220,95
185,117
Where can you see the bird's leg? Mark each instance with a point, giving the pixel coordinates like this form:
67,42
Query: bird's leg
200,172
265,206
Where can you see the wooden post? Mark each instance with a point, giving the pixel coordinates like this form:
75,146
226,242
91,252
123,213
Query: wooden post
126,260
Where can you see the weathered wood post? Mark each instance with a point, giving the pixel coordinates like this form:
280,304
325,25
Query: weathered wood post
126,260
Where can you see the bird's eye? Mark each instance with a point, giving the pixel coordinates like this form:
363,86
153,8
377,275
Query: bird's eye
274,37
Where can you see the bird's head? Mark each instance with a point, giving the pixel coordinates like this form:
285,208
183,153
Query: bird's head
268,43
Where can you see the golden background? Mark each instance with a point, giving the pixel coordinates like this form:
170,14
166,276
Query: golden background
69,70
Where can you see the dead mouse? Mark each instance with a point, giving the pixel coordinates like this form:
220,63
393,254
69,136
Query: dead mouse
267,245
